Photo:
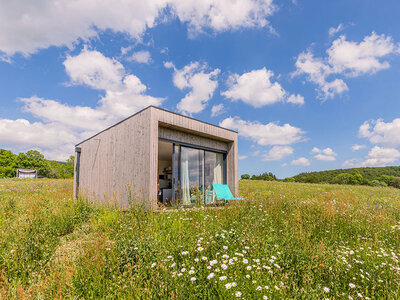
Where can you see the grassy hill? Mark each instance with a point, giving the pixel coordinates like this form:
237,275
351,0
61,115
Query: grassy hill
285,240
382,174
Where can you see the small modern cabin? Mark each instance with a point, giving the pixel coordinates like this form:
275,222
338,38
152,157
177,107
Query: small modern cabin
157,158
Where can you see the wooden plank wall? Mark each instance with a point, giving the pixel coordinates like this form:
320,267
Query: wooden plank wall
116,159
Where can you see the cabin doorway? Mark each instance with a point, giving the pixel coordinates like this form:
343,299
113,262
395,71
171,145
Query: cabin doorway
164,183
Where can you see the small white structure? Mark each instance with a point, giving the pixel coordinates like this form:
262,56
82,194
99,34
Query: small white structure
27,173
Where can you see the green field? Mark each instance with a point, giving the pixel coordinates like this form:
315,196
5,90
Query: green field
285,240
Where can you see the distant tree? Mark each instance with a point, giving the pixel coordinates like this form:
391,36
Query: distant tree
245,176
7,163
69,167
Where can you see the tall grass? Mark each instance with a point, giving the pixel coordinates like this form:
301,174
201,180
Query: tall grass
285,240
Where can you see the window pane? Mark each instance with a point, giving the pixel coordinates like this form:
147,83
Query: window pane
191,175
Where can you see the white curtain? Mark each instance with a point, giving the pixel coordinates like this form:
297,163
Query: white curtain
185,184
218,169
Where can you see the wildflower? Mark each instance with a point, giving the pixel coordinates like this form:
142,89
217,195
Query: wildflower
265,297
211,275
234,284
180,274
248,268
259,288
326,290
173,265
204,258
200,249
247,276
196,259
213,262
245,261
153,265
228,286
225,247
208,267
238,294
217,270
277,288
222,278
266,287
185,252
254,282
192,272
224,266
351,285
193,279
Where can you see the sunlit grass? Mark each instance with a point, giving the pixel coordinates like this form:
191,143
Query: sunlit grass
285,240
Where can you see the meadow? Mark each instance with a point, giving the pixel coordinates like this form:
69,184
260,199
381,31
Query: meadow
285,240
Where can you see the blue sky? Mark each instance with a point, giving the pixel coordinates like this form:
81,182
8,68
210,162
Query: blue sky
309,85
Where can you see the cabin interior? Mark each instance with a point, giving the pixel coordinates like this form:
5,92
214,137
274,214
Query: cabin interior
186,174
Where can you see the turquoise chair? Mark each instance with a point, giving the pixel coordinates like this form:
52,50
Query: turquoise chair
223,193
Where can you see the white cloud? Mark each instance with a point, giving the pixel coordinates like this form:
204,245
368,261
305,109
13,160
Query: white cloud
200,83
216,110
75,117
317,72
335,30
379,132
296,99
277,153
222,15
264,134
357,147
381,157
62,125
302,161
326,154
257,89
254,88
345,58
124,93
241,157
143,57
355,59
377,157
27,27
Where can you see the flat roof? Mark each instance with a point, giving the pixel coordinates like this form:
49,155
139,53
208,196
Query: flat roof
163,109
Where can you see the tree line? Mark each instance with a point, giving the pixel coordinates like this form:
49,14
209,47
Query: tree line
33,159
372,176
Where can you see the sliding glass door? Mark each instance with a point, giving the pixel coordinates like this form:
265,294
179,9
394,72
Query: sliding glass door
194,172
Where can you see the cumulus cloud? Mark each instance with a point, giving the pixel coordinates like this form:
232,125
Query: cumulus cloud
201,84
377,157
302,161
381,157
264,134
277,153
379,132
62,125
326,154
26,27
345,58
296,99
241,157
357,147
216,110
142,57
257,89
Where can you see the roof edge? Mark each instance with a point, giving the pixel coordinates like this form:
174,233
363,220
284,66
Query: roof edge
148,107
